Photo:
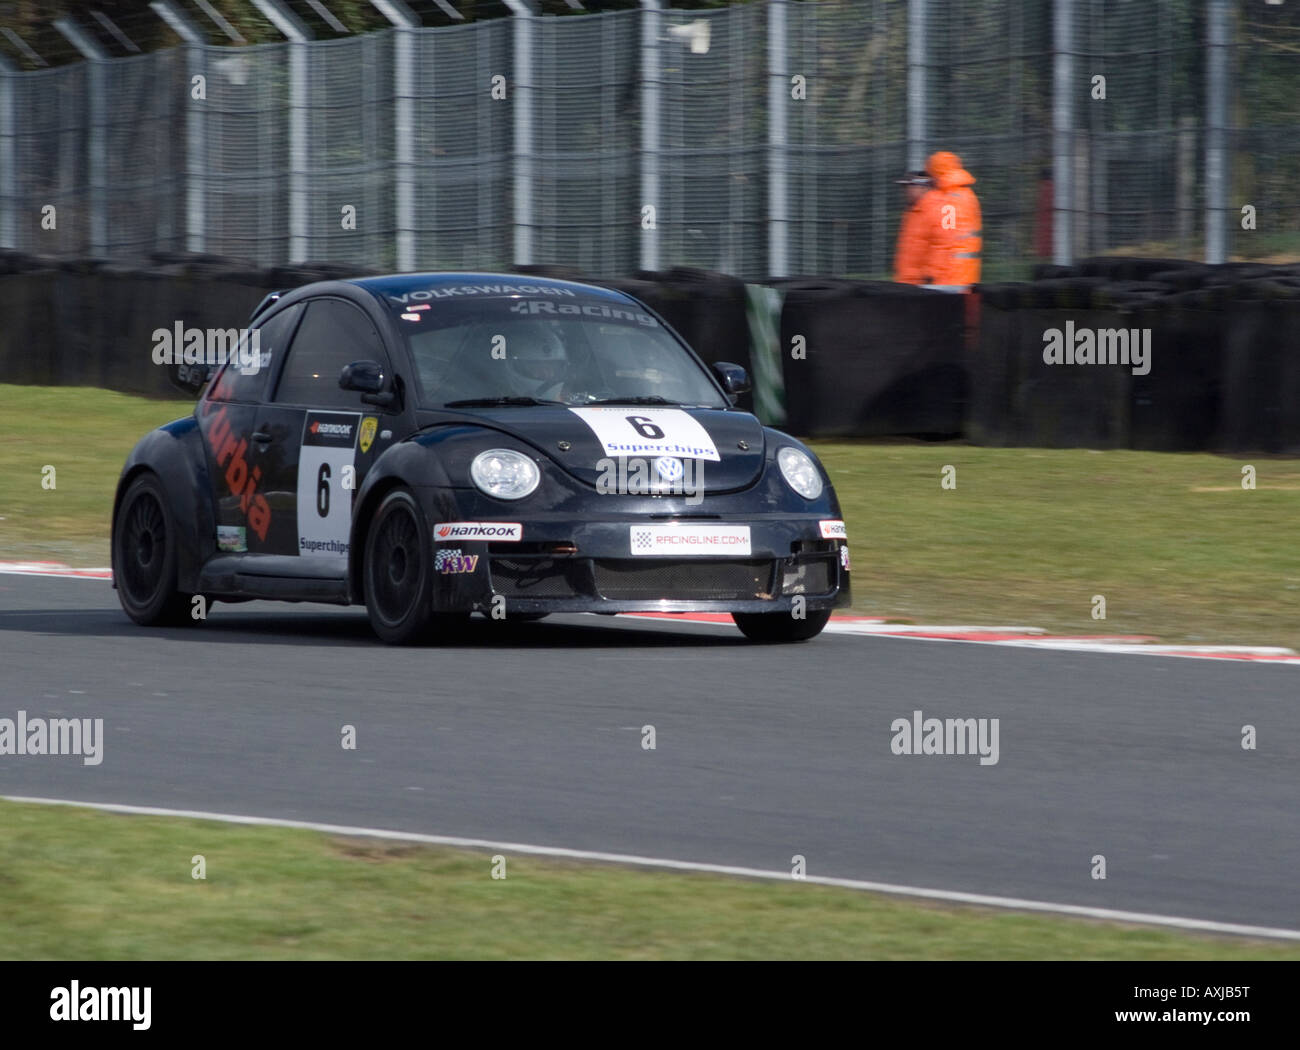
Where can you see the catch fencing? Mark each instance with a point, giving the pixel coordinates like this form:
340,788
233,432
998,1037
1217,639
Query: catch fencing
760,139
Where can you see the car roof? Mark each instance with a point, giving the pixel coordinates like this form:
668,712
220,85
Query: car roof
484,285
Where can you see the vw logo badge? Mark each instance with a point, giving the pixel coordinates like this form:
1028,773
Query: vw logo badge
669,467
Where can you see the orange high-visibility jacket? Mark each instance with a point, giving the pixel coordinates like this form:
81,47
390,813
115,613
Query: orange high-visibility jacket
913,247
952,223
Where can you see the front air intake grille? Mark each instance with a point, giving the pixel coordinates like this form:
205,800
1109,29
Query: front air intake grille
534,577
694,580
812,576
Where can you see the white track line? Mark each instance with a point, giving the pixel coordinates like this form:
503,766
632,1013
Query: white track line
1023,637
948,896
53,568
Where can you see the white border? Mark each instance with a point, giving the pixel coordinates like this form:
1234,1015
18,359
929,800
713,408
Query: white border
948,896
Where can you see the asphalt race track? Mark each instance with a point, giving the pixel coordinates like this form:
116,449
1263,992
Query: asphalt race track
532,734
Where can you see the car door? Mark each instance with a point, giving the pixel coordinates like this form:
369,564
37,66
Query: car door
237,464
318,439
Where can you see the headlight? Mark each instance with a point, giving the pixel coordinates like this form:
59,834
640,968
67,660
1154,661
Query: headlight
800,472
504,474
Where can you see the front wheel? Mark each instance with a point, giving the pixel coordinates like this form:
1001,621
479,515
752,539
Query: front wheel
144,556
397,567
781,627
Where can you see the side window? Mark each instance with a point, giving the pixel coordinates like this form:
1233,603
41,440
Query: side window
333,333
244,378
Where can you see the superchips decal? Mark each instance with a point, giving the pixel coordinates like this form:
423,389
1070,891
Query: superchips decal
634,431
326,480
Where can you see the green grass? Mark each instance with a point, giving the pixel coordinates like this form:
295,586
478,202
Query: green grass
1029,536
85,434
79,884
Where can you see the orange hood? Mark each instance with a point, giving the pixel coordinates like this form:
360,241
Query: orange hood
946,170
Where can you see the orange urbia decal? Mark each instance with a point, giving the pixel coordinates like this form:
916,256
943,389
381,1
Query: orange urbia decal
228,451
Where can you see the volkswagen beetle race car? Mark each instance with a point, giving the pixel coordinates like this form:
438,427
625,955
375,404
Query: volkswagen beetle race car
432,445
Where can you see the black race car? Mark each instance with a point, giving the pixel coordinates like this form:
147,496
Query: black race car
438,444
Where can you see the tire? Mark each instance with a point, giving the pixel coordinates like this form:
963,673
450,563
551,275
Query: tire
398,571
773,628
144,556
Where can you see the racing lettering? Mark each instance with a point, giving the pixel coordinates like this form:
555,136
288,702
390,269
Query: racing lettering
229,452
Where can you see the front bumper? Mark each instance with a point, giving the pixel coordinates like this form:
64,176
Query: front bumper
570,565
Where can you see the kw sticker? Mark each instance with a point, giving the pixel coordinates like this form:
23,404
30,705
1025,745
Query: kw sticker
450,560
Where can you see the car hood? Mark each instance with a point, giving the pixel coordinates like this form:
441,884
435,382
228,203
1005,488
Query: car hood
598,436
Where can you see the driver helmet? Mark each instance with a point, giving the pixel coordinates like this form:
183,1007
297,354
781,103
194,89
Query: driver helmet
536,356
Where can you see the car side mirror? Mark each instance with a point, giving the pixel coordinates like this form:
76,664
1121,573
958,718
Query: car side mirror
734,379
190,378
367,379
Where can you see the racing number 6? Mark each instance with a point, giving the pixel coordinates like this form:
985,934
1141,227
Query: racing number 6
323,491
645,427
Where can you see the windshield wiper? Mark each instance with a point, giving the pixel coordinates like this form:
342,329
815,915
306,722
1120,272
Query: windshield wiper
641,399
473,402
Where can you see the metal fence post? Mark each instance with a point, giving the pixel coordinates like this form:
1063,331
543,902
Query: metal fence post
1217,14
8,158
651,17
917,42
525,127
196,160
97,133
1063,89
403,126
778,99
298,35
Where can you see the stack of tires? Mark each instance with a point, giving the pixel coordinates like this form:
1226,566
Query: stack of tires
872,358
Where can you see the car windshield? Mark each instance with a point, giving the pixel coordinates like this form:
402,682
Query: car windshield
570,350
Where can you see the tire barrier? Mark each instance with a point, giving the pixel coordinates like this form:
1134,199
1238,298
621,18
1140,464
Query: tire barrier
868,359
855,358
92,324
1175,406
1018,398
1261,373
1219,374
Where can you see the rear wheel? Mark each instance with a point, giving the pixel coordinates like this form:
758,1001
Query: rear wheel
781,627
144,556
397,580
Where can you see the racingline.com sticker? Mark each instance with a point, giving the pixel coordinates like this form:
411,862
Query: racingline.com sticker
679,540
